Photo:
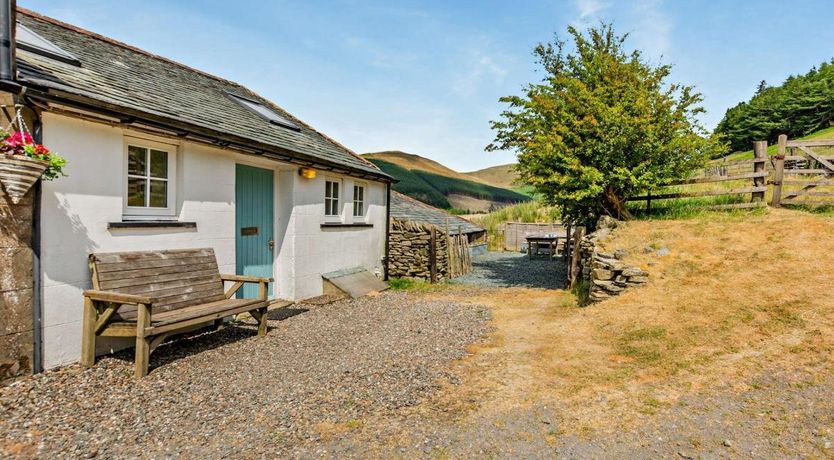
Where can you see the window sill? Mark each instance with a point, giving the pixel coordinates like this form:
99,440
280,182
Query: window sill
150,224
341,225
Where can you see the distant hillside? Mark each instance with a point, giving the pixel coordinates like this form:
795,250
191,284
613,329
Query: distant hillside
437,185
799,106
504,176
827,133
411,161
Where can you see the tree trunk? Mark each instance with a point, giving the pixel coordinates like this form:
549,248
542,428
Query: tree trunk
615,205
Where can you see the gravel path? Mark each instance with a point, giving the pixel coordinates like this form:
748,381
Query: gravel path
231,394
513,269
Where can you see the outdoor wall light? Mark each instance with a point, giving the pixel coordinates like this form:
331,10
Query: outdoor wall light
307,173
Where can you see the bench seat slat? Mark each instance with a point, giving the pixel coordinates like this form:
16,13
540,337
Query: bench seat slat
125,276
173,287
194,311
122,257
183,263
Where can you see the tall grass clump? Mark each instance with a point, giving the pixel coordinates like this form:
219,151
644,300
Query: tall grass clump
530,212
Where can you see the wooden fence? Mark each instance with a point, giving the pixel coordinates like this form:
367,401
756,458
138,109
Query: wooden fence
460,258
515,233
729,181
803,173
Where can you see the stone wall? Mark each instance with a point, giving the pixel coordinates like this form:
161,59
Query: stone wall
604,272
409,251
16,287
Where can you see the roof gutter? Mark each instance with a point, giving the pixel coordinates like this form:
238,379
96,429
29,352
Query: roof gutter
7,51
136,118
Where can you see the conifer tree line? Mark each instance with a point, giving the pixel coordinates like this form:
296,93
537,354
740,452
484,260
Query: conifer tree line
799,106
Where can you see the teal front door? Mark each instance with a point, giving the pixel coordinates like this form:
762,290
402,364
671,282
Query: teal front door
254,239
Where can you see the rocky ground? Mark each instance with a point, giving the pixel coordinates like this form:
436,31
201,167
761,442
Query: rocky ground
321,370
690,365
513,269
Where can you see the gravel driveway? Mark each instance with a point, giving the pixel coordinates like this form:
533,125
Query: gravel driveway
231,394
513,269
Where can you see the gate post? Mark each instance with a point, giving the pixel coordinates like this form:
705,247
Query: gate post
760,153
779,171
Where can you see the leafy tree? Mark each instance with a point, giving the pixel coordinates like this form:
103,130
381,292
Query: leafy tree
601,126
799,106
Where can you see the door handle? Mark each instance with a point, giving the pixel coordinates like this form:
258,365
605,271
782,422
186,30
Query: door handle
271,244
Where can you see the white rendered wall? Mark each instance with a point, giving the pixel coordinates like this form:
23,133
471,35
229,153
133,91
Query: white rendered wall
76,211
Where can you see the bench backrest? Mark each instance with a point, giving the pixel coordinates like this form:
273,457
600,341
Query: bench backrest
177,278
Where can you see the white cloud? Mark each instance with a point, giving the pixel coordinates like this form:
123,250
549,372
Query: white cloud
589,9
653,31
480,67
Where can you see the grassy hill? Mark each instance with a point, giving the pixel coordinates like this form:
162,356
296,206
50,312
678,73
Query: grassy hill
437,185
504,176
413,162
827,133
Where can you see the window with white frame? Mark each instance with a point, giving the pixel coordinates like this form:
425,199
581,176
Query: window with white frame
358,200
331,198
149,182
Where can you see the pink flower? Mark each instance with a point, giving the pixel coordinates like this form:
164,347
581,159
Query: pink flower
19,139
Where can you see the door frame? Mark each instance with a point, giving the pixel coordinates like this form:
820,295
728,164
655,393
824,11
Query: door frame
273,291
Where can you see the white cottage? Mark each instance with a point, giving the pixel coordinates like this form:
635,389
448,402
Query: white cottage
163,156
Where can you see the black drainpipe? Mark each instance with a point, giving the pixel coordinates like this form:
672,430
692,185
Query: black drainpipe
7,62
37,298
387,226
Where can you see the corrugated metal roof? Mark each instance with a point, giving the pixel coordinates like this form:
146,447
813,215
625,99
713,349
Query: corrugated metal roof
406,208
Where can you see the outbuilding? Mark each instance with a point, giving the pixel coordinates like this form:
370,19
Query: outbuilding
164,156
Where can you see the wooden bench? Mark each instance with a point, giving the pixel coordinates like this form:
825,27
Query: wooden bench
151,295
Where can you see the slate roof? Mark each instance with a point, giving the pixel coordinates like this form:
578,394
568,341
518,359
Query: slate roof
121,76
406,208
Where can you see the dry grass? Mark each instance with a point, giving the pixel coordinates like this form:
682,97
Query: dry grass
738,295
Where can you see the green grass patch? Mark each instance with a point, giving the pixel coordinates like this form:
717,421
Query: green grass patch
531,211
409,284
827,133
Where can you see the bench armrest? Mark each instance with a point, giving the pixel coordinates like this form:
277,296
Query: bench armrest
108,296
246,279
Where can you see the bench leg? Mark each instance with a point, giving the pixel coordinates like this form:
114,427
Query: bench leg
143,354
143,344
88,334
262,321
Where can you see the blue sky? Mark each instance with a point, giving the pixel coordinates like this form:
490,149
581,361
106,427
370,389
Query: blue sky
425,77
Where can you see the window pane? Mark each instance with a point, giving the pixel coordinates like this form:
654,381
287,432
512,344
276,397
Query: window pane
357,209
361,193
327,189
136,192
159,194
159,163
335,190
136,160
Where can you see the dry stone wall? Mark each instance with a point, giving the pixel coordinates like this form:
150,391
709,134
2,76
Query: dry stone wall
604,273
409,251
16,287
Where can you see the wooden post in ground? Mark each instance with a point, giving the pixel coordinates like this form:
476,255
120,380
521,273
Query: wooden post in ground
779,171
574,259
433,255
760,153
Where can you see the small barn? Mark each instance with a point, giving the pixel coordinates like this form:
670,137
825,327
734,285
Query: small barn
429,243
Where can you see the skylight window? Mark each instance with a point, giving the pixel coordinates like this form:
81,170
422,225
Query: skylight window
265,112
28,40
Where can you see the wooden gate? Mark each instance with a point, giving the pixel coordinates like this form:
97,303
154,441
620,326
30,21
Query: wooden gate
803,173
516,233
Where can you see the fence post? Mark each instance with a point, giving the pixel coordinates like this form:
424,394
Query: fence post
433,255
574,259
759,152
779,171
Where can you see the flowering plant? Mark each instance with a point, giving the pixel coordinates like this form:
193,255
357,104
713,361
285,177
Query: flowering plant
21,144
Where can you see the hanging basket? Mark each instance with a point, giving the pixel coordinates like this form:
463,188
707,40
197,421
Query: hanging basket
18,174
